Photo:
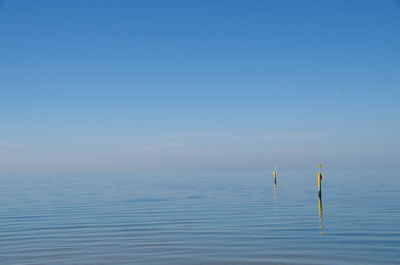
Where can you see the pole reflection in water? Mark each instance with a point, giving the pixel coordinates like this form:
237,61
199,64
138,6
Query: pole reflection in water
275,195
321,214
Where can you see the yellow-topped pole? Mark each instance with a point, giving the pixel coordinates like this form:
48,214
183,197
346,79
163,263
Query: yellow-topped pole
320,177
275,173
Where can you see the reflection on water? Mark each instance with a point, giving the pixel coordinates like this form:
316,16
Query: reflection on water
320,212
231,217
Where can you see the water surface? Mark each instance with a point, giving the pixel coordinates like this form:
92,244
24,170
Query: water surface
218,217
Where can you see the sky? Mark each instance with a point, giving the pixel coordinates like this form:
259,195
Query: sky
120,86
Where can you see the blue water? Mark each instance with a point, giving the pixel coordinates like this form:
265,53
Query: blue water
218,217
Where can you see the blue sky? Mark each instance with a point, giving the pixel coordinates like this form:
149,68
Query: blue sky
115,86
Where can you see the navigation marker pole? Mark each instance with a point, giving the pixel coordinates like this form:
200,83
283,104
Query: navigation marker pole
320,177
275,173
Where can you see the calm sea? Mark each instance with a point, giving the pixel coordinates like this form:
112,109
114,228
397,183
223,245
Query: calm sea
218,217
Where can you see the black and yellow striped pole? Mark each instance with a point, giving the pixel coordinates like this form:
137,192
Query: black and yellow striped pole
275,173
320,177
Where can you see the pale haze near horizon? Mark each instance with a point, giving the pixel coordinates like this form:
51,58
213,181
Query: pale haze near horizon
104,86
